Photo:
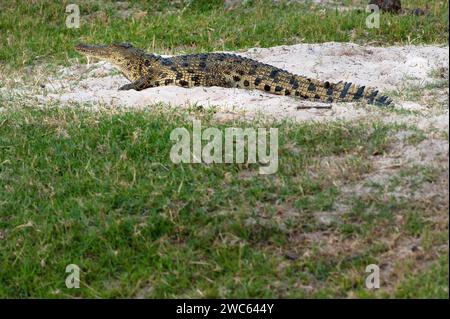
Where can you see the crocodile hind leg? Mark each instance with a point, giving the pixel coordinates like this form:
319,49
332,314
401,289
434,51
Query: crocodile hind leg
149,81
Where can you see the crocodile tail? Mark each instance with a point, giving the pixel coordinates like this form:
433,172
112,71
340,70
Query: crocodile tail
315,90
348,92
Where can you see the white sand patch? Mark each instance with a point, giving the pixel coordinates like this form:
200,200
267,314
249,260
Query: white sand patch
386,68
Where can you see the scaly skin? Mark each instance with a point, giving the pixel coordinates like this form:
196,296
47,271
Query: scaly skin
226,70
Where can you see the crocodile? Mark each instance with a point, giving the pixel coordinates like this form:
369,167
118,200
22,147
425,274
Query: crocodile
145,70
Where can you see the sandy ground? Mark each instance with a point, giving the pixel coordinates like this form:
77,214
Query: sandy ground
390,69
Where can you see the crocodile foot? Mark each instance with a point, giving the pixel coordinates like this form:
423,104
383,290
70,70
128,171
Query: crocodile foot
126,87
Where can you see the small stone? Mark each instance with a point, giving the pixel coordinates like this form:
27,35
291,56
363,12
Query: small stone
291,255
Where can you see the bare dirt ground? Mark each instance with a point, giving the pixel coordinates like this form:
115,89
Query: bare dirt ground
395,70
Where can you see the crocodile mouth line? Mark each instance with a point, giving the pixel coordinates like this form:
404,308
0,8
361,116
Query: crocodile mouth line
93,50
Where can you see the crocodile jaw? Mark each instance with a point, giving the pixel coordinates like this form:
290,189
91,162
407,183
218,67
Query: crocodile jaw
102,52
123,56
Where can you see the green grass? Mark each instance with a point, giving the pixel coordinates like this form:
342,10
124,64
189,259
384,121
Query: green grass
37,32
99,190
432,282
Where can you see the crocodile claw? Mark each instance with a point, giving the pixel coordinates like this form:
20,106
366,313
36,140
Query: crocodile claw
126,87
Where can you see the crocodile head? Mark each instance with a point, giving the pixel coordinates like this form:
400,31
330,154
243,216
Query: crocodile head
124,56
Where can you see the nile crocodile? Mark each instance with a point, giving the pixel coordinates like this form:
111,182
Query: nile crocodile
146,70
